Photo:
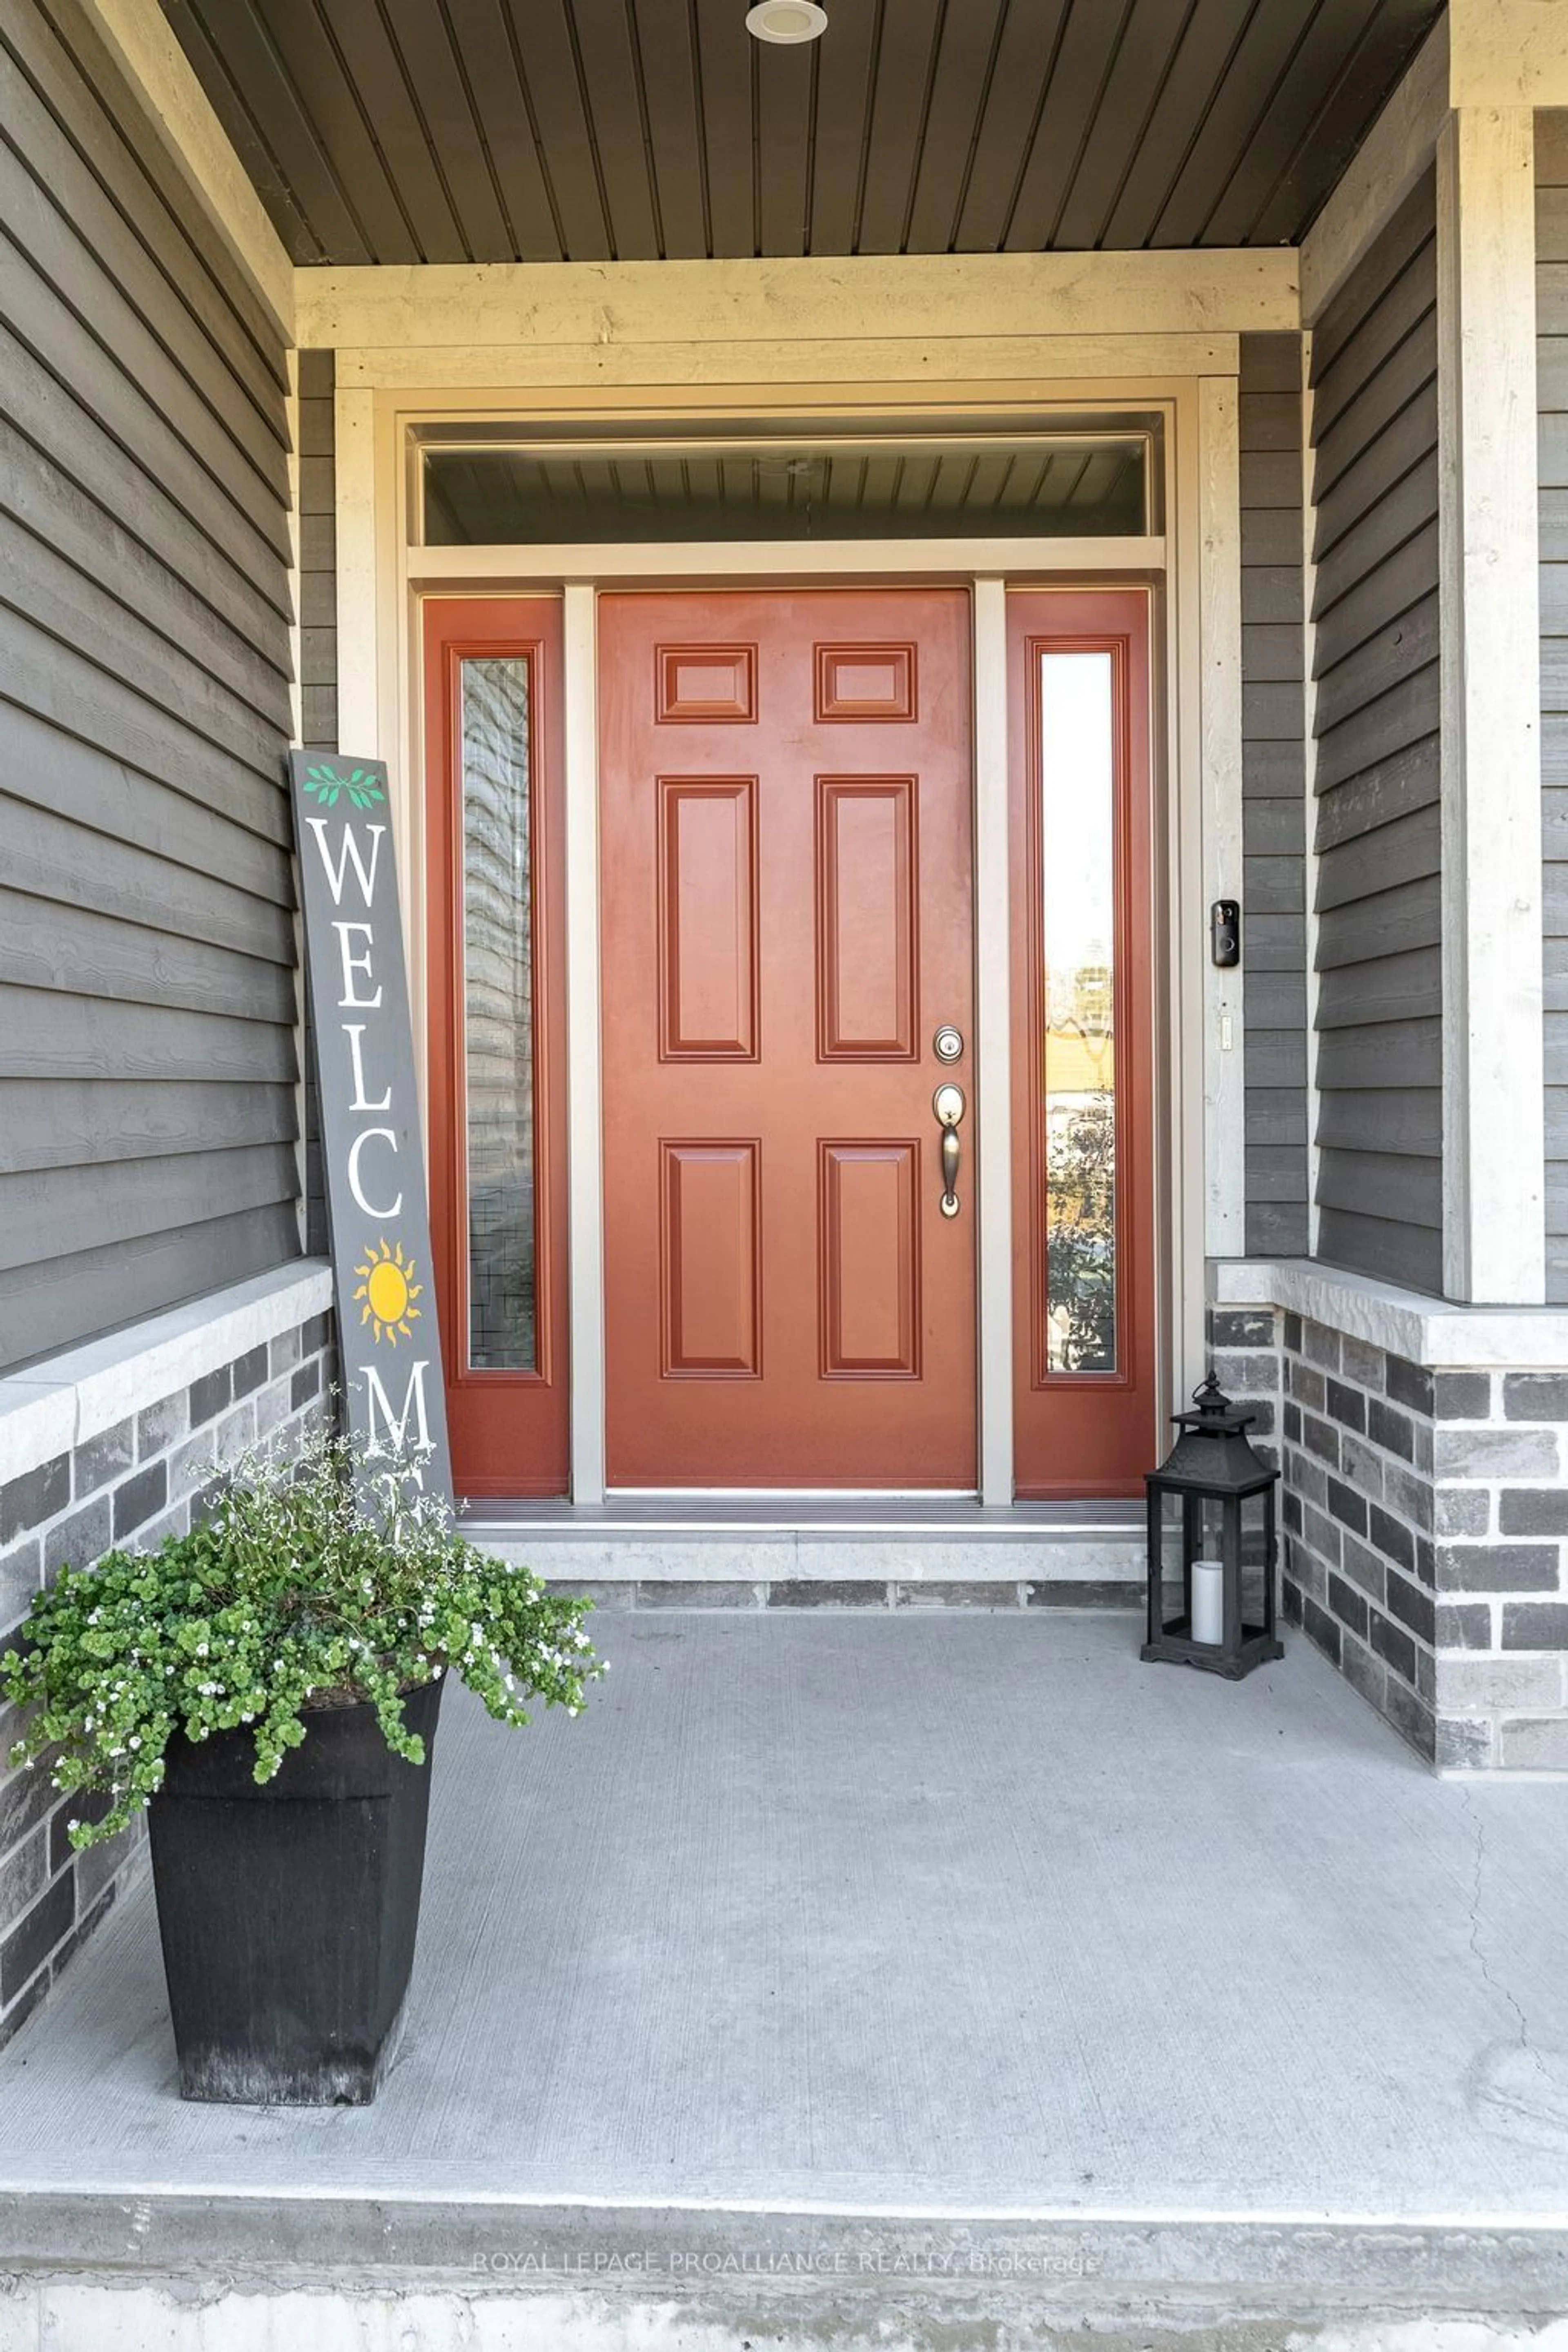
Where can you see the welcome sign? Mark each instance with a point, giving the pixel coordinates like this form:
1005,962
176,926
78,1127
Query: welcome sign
377,1210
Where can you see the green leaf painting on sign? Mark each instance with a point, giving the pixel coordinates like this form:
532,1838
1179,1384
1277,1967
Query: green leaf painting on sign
326,784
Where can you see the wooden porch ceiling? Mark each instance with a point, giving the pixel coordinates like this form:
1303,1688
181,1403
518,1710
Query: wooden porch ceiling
457,130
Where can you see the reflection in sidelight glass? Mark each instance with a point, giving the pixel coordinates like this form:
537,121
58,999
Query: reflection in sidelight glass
1077,830
498,1012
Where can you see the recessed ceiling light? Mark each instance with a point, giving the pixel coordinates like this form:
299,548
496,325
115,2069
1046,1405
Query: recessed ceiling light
786,20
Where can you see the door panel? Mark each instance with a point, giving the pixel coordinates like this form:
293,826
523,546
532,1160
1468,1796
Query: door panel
867,925
710,1271
497,1063
870,1270
1084,1324
786,864
708,920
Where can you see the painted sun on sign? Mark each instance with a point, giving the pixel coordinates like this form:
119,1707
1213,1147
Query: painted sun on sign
388,1289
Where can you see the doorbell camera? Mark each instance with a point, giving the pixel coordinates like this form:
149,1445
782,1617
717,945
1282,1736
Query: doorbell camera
1225,932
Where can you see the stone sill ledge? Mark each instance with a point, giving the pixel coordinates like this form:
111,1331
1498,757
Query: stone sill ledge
1433,1332
57,1404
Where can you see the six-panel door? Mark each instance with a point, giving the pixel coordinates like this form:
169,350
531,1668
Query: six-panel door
786,920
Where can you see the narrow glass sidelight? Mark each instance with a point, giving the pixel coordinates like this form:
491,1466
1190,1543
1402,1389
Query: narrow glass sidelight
497,887
1077,833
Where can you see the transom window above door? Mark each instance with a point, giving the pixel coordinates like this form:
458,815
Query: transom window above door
1064,483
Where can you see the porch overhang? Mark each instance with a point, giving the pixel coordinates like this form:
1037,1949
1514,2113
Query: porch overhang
586,129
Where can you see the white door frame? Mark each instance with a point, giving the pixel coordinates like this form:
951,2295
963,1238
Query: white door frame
1199,1135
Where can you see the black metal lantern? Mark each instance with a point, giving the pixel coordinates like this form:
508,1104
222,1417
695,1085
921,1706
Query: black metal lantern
1211,1514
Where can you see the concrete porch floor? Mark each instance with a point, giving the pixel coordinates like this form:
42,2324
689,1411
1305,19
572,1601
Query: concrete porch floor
935,1935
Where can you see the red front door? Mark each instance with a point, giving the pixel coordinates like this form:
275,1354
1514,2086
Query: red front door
787,909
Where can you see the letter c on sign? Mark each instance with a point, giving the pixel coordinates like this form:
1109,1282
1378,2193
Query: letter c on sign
357,1145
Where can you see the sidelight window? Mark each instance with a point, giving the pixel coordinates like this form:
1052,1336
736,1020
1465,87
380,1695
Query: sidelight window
1078,833
497,893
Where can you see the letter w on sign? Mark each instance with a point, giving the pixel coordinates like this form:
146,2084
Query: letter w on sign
377,1208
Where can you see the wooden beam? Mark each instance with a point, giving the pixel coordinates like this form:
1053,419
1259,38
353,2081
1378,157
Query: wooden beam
1481,53
472,571
912,298
1032,361
144,46
1508,53
1390,158
1493,1149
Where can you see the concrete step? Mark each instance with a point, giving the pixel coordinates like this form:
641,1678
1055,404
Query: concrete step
266,2273
750,1552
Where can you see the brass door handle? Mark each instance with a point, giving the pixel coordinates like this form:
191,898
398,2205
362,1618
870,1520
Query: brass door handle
949,1106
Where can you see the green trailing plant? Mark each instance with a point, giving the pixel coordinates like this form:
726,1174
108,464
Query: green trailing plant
293,1594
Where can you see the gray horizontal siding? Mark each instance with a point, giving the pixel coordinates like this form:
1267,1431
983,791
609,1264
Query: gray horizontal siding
1552,370
318,550
318,667
147,982
1274,934
1375,821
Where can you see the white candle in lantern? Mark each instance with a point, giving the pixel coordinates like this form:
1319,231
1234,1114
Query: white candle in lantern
1209,1602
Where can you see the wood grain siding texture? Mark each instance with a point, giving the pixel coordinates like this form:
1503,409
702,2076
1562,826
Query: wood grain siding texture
147,987
1274,935
318,550
1552,378
318,672
1375,488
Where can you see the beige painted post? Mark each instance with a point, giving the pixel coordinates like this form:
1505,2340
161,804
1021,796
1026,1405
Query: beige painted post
1219,719
585,1135
993,1042
1310,795
1493,1178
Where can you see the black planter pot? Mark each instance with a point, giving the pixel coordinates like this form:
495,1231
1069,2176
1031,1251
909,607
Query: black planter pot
288,1910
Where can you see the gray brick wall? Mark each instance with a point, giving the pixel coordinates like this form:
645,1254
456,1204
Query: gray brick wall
1425,1526
151,1476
